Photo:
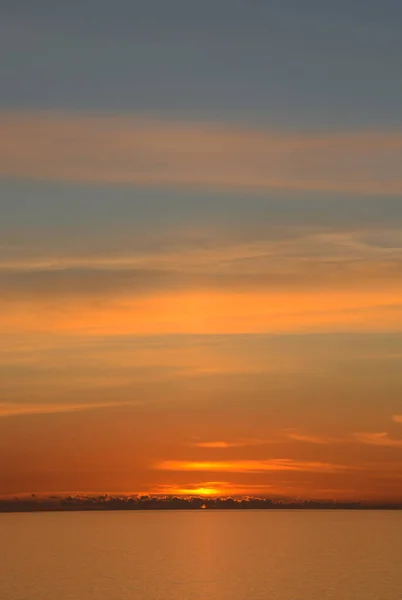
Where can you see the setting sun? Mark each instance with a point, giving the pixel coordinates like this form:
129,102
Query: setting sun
201,491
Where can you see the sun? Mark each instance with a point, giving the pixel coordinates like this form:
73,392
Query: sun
200,491
204,491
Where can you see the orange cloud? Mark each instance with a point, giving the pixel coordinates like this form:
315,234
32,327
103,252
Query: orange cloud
234,444
378,439
397,418
221,257
138,151
218,444
210,311
13,409
313,439
252,466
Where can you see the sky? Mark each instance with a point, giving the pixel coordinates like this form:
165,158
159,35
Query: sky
201,248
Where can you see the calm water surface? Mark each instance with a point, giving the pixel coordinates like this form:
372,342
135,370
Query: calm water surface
202,555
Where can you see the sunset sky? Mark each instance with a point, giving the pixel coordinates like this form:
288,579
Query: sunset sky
201,247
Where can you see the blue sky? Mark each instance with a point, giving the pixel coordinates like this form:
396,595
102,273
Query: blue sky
284,63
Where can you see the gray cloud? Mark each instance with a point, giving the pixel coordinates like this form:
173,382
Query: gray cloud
255,275
138,151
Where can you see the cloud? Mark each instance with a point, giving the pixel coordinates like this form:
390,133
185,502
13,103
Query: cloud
139,151
11,409
219,445
295,274
368,438
234,443
252,466
314,276
313,439
311,273
207,311
378,439
397,418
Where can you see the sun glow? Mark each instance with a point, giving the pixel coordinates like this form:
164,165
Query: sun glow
252,466
201,491
207,488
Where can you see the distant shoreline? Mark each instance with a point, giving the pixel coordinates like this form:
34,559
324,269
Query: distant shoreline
106,503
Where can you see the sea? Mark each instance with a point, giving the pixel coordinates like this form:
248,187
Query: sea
202,555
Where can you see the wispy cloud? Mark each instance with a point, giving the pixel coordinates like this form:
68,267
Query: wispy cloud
242,443
313,439
218,445
211,283
252,466
378,439
208,312
368,438
234,247
120,149
305,262
13,409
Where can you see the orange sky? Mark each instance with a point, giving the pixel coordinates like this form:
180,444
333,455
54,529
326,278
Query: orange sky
159,449
220,339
